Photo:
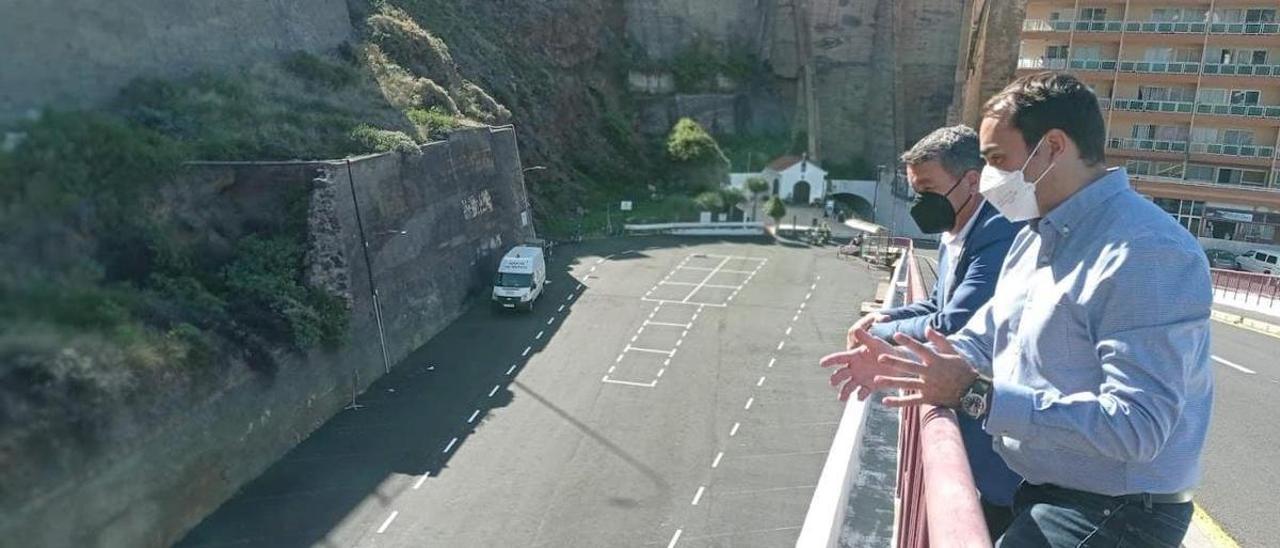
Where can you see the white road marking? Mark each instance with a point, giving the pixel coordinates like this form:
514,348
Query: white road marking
568,297
818,278
807,295
511,369
666,362
802,305
421,479
780,344
539,335
579,287
1235,366
716,462
679,342
713,286
473,416
674,538
734,431
634,337
704,280
749,402
619,360
788,330
652,351
551,319
611,368
669,324
761,381
796,317
698,496
561,309
641,330
629,383
661,371
813,286
684,334
526,351
495,390
772,361
449,447
387,523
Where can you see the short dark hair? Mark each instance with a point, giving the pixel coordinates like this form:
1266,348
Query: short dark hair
955,147
1037,103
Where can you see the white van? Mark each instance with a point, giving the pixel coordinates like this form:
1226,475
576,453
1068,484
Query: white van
1259,261
522,275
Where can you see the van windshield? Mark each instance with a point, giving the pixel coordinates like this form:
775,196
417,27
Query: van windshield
510,279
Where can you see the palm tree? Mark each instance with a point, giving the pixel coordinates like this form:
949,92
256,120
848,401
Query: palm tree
731,197
757,186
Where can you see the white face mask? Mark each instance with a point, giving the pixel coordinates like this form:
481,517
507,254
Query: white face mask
1010,192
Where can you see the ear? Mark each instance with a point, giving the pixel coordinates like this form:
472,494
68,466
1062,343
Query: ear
971,180
1058,142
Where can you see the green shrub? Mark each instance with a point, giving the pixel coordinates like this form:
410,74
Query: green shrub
313,69
775,208
382,140
264,290
689,143
434,121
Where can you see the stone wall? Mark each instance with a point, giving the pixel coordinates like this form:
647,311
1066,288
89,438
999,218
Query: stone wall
988,55
76,53
159,471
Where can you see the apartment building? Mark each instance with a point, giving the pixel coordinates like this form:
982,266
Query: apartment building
1190,91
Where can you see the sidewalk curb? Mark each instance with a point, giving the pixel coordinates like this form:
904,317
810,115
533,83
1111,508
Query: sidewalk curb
1251,324
1204,532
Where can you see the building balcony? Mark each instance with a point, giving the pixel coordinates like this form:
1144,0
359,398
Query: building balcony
1245,28
1105,65
1212,69
1042,64
1139,105
1152,27
1159,67
1153,145
1251,111
1237,151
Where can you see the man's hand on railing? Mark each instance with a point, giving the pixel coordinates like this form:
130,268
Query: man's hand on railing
864,323
941,374
857,368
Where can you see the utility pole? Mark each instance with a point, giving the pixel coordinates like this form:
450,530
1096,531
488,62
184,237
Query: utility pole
368,265
804,49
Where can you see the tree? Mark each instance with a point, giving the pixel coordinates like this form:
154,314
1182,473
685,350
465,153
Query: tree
710,201
775,209
756,186
695,155
731,197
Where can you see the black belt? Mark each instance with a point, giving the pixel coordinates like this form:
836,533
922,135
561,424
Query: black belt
1146,499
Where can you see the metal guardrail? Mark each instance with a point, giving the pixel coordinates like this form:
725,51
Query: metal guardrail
1246,287
1147,144
826,515
700,229
1155,27
1242,151
938,497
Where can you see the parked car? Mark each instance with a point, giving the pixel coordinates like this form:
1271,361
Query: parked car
1265,262
522,274
1221,258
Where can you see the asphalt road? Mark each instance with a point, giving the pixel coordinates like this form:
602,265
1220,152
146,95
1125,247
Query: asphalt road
670,398
1242,456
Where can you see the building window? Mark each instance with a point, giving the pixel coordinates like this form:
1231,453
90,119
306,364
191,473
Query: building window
1242,56
1188,213
1245,96
1055,52
1093,14
1214,96
1197,172
1255,232
1177,15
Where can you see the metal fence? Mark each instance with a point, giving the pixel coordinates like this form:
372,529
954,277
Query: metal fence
1246,287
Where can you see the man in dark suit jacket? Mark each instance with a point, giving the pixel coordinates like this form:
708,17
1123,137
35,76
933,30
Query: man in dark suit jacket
943,169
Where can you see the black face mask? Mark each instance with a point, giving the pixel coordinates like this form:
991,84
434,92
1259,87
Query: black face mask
933,213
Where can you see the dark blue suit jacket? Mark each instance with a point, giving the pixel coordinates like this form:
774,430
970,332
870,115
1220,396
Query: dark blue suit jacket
947,310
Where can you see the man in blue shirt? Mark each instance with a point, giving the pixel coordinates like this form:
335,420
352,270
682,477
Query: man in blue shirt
1090,364
943,169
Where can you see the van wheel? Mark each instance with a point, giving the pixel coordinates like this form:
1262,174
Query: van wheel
529,307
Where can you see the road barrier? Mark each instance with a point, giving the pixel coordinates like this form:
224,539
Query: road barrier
699,229
937,495
1247,288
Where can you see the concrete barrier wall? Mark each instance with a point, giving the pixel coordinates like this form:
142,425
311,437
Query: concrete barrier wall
158,471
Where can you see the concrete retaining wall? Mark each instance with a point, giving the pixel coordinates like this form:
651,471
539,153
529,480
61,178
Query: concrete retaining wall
160,471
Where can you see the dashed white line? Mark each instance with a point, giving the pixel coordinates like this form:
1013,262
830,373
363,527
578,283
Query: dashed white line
387,523
561,309
761,381
1235,366
749,402
526,351
716,462
611,368
539,335
495,390
679,342
666,362
641,330
802,305
473,416
511,369
684,334
579,287
634,337
734,431
780,344
568,297
449,447
788,330
421,479
796,317
619,360
675,538
772,361
661,371
698,496
669,324
551,319
807,295
813,286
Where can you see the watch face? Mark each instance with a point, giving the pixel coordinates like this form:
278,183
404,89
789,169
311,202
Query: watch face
973,405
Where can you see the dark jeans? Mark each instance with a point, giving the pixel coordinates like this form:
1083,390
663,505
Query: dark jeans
998,518
1046,515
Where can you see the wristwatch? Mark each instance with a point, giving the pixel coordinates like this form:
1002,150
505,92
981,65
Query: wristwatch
976,400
